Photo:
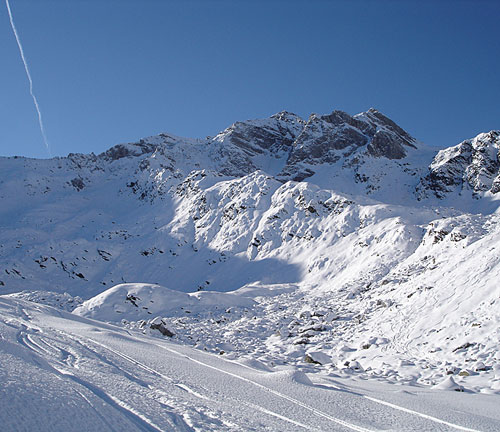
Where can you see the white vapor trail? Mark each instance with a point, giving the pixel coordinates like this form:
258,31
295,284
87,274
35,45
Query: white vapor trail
35,101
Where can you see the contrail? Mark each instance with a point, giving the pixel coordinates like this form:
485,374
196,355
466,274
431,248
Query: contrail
40,122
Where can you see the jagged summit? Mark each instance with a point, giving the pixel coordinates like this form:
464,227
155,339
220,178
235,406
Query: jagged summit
362,148
328,139
287,132
287,115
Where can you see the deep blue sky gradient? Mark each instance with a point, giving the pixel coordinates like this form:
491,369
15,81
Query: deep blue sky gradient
107,71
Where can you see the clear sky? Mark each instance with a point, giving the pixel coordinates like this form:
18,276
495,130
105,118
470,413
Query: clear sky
111,71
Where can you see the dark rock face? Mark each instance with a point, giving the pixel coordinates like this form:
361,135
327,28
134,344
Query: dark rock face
237,145
320,140
386,145
495,186
377,120
290,148
328,138
319,137
247,146
443,178
77,183
126,150
340,118
473,164
359,147
275,136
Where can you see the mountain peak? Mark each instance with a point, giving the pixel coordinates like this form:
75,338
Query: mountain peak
286,116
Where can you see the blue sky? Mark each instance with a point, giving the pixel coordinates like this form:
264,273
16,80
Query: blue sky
107,72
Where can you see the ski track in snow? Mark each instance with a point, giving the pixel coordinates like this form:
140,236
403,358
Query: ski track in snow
434,419
259,408
313,410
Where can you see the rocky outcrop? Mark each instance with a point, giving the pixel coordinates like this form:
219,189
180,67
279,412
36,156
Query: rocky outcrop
238,148
367,153
277,134
472,165
329,138
127,150
368,149
389,139
283,145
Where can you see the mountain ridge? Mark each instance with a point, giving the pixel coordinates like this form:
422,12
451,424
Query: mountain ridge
364,147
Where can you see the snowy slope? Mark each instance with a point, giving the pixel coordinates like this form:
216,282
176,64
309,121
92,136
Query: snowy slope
337,245
101,377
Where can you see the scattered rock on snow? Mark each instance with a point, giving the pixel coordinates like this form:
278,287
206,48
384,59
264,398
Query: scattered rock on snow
463,347
452,370
162,326
480,367
317,357
309,359
355,365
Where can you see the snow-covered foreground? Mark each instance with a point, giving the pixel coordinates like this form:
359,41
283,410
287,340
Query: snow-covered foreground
64,372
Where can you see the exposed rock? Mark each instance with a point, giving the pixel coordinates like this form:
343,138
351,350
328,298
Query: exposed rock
237,146
162,326
127,150
464,346
317,357
386,145
355,365
380,121
471,165
480,367
309,359
77,183
328,138
132,299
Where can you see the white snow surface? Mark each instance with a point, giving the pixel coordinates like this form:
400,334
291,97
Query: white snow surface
371,278
131,302
63,372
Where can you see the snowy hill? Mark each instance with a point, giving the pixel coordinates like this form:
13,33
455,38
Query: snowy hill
337,244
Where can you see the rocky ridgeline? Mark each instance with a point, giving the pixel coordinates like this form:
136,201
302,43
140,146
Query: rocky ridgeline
362,148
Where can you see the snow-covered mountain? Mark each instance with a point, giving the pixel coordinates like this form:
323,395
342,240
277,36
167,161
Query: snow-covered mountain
146,211
333,242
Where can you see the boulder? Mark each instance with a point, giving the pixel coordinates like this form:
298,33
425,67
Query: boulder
162,326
